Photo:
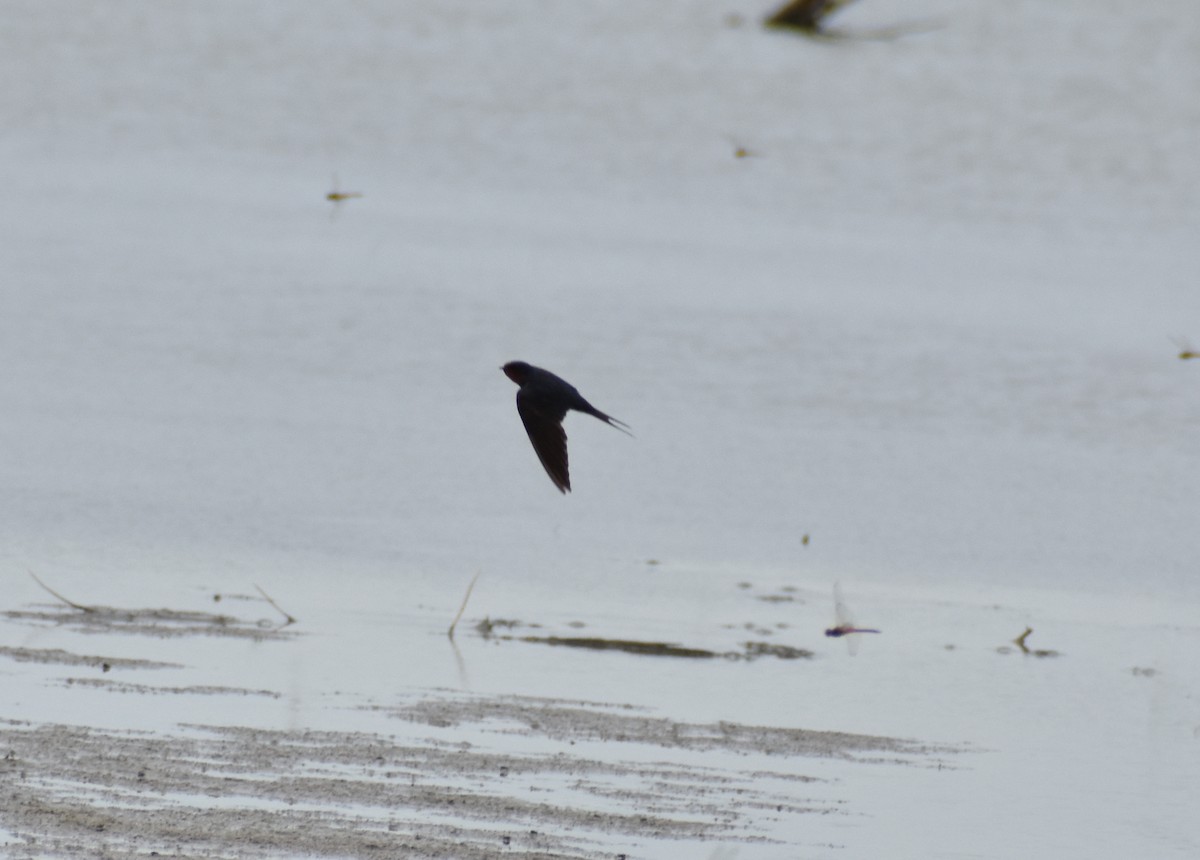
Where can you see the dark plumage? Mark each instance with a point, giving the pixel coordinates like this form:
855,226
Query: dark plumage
543,400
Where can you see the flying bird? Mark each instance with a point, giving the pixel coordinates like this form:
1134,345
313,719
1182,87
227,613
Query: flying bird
543,400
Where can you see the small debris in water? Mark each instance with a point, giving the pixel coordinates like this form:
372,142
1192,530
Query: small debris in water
776,598
1020,643
486,627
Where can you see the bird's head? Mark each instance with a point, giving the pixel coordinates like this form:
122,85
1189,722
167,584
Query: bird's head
516,371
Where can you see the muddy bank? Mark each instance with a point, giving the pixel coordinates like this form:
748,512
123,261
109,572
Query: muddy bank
579,784
591,721
60,657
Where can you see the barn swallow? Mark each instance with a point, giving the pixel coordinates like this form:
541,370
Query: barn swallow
543,400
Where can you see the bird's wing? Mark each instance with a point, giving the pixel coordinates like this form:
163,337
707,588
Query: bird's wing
544,426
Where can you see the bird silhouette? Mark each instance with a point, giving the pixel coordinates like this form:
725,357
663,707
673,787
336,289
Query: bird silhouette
543,400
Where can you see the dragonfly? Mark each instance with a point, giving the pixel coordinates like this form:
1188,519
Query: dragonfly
845,622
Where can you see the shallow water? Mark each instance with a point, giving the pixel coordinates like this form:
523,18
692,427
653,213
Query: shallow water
928,326
601,738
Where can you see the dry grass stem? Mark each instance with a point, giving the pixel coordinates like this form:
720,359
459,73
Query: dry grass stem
463,607
290,619
70,603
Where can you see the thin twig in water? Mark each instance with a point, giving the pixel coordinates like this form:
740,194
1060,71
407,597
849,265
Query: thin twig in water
463,607
70,603
290,619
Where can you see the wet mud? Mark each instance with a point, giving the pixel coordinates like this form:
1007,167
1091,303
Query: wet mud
162,623
57,656
752,650
429,774
577,786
